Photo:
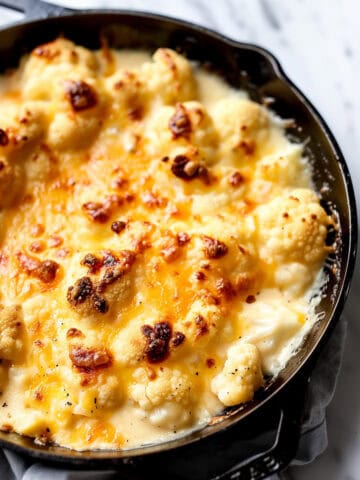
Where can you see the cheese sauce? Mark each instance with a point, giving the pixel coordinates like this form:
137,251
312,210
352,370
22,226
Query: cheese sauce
160,239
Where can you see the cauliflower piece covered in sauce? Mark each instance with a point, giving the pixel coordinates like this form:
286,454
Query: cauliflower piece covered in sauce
11,332
106,394
186,129
166,397
49,64
293,227
79,107
243,127
129,95
169,77
285,169
203,320
129,345
27,125
241,375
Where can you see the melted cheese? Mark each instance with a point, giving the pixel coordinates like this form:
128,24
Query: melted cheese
159,239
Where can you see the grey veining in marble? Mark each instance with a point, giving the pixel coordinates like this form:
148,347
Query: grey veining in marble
318,45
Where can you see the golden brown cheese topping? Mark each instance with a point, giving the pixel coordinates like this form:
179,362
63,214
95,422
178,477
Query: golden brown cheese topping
159,241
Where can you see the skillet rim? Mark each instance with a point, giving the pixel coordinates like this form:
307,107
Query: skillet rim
89,456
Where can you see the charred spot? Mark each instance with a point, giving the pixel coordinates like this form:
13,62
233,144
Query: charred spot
74,332
100,212
248,147
118,226
243,282
44,270
82,290
285,215
163,330
38,396
214,248
100,304
119,182
4,139
179,123
157,341
177,339
200,276
116,268
236,179
186,169
96,211
202,327
250,299
92,262
225,287
182,238
147,331
89,358
80,94
136,112
210,362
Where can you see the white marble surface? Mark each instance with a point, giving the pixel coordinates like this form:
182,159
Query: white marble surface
318,45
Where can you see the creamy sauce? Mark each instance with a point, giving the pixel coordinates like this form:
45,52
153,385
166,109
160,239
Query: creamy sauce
226,248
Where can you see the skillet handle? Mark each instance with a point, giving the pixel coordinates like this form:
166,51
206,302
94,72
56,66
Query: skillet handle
34,9
283,450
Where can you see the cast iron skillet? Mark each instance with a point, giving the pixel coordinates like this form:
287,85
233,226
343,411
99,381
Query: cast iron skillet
235,445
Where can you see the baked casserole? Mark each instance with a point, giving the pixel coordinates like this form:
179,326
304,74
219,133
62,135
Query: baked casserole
161,245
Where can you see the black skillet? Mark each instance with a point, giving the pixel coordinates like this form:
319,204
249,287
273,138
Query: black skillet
261,438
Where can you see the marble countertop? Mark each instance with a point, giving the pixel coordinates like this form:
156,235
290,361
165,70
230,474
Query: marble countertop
317,43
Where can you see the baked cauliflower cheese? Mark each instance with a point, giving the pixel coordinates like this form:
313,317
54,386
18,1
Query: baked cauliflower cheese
160,238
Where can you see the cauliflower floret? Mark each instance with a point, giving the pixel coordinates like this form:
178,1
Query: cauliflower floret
243,127
293,277
228,246
202,321
129,95
185,129
165,398
105,394
11,332
169,77
71,132
287,168
50,63
129,345
26,126
241,375
293,227
169,385
78,107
